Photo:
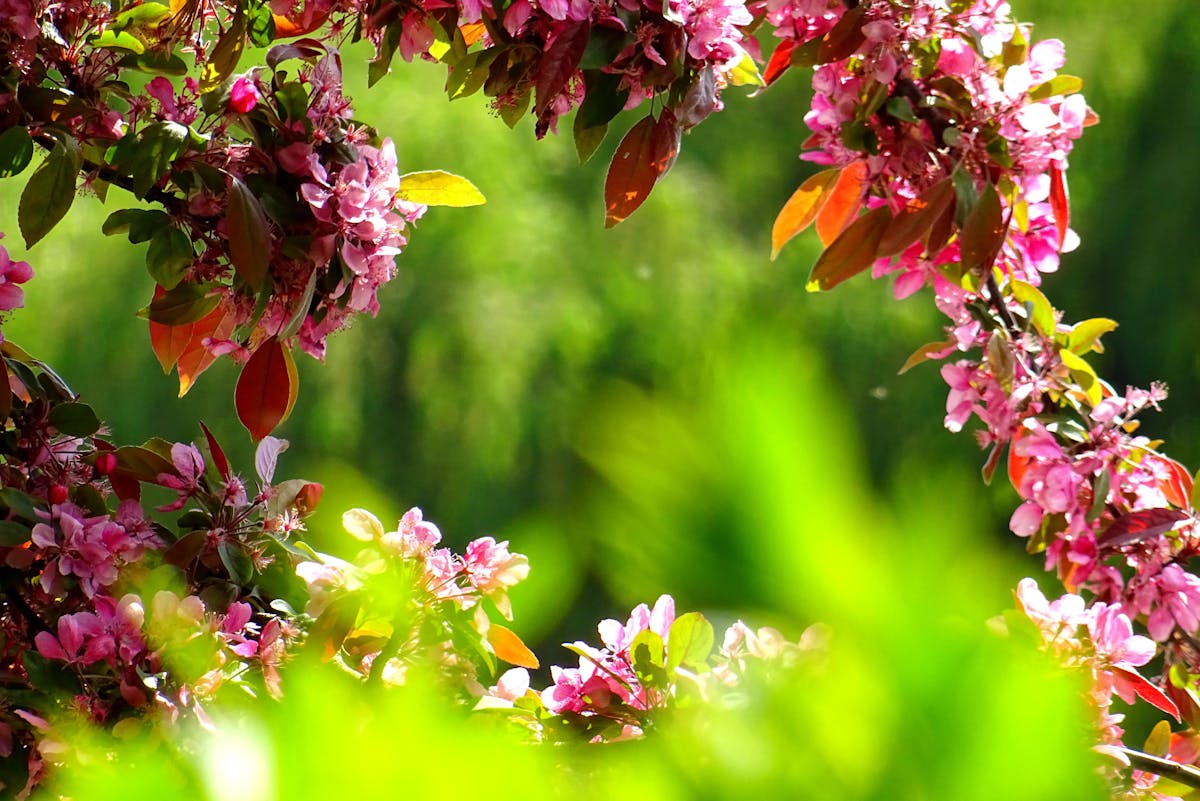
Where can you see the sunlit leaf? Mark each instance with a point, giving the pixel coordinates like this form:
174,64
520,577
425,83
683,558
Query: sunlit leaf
781,59
1085,336
1042,312
509,647
1058,85
264,389
1060,203
440,188
169,256
216,452
850,253
186,303
842,202
223,59
689,641
196,358
925,353
801,209
1084,375
745,73
1147,691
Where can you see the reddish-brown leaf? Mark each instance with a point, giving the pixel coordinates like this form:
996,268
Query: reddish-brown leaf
6,393
1139,526
249,234
218,455
196,358
843,202
942,229
560,62
509,647
983,231
1060,203
843,38
644,155
264,392
779,62
850,253
801,209
917,218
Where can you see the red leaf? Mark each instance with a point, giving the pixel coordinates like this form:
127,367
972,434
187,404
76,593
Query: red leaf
843,202
264,391
917,218
644,155
1177,488
801,209
780,60
850,253
1060,203
311,15
983,231
1018,464
560,62
1147,691
308,497
1139,526
218,455
249,234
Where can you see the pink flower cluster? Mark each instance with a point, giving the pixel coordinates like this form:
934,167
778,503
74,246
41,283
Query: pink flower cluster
90,549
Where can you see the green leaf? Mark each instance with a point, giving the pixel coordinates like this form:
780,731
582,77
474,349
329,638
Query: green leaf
16,151
150,154
13,533
50,191
236,561
74,419
140,224
439,188
646,653
156,62
587,140
603,100
249,235
260,24
118,40
689,641
1158,743
142,463
184,304
169,257
1058,85
20,504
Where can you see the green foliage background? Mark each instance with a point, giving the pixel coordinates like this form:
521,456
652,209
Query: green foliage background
514,382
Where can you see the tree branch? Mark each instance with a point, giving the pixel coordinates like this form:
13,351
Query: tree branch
109,175
1159,766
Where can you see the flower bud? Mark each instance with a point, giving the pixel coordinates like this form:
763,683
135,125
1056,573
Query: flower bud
57,494
105,463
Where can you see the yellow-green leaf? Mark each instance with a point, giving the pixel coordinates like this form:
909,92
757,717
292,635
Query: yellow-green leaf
1085,336
440,188
745,73
1084,375
1159,742
1042,311
925,353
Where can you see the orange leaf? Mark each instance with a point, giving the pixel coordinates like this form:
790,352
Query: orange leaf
1060,203
843,202
472,32
780,60
1018,464
801,209
917,218
168,341
312,15
983,231
508,646
265,391
851,253
644,155
195,358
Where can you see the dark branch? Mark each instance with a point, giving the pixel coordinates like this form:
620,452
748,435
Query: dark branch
1159,766
109,175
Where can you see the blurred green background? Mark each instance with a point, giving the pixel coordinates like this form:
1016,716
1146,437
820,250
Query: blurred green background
536,377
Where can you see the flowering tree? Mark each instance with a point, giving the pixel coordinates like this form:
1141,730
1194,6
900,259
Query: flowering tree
277,217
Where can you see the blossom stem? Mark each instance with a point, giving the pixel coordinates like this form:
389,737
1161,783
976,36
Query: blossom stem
1160,766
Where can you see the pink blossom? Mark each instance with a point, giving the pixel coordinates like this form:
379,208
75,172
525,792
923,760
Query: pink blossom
189,469
12,273
243,95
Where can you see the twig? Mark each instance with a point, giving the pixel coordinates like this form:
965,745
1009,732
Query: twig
109,175
1159,766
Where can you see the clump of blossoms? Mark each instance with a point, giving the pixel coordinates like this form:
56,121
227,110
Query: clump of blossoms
947,130
653,662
